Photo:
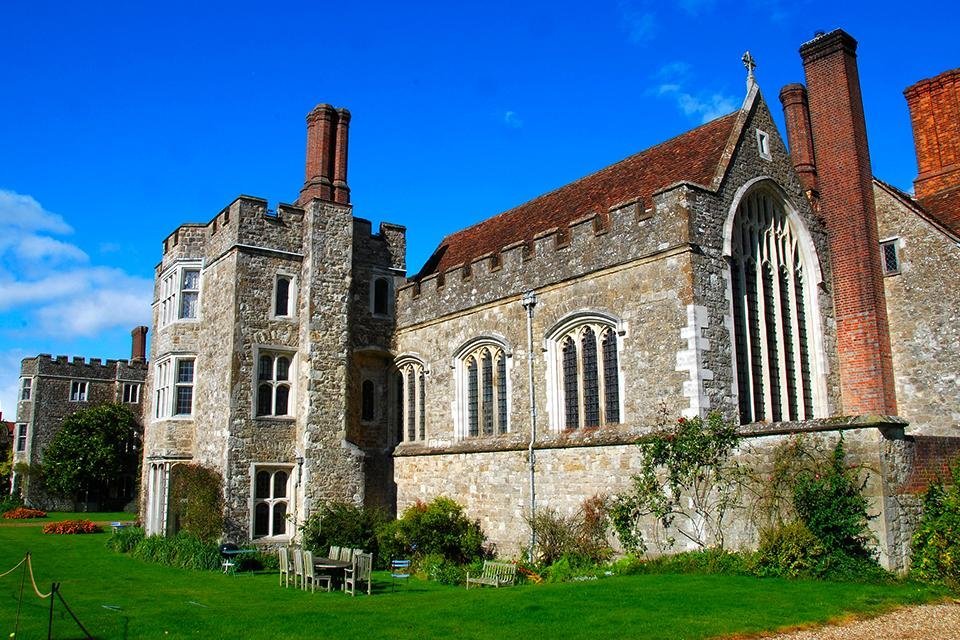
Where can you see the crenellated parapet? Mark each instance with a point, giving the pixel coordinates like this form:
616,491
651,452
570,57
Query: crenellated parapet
626,232
79,367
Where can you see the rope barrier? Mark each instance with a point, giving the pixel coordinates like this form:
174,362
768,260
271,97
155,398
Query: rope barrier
15,568
34,581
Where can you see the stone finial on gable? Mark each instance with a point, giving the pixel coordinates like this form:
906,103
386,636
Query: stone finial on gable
749,63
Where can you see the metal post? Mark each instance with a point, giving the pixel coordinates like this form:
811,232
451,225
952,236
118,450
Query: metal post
529,301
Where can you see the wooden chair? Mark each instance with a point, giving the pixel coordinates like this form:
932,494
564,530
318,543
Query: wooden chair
284,554
334,553
297,568
359,572
346,554
310,574
494,574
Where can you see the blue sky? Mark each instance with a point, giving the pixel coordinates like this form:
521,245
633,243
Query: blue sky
120,121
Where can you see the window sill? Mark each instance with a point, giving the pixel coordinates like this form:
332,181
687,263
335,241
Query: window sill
276,419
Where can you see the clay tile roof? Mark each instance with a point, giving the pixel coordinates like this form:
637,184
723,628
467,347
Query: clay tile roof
945,207
691,157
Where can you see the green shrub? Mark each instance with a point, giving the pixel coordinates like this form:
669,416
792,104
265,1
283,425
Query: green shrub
710,561
345,525
435,567
9,503
439,527
184,550
583,534
196,501
125,540
789,551
832,506
936,541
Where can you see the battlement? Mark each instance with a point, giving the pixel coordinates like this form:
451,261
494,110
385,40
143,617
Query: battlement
78,366
626,231
246,221
386,247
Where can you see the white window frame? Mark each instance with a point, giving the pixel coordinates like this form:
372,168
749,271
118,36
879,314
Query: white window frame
274,352
763,145
373,295
289,499
26,389
475,349
413,371
165,384
291,297
172,289
573,325
895,243
21,437
79,391
131,392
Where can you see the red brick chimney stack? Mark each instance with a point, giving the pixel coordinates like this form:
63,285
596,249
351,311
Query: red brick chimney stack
138,348
326,166
935,114
846,203
341,192
796,113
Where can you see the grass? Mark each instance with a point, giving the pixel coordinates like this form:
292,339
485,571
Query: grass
116,596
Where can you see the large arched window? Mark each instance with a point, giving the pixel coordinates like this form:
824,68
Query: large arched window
773,322
586,380
482,382
411,400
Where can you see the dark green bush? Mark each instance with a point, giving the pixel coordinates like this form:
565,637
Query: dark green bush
789,551
437,568
345,525
708,561
832,506
196,501
9,503
125,540
439,527
936,541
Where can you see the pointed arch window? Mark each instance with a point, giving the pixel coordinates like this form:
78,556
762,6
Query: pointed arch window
587,375
271,500
411,401
772,299
484,405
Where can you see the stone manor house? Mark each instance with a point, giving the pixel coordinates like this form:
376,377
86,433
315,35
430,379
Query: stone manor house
792,291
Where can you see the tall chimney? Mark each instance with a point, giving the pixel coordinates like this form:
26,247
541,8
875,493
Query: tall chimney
138,347
341,192
846,203
796,113
935,114
322,152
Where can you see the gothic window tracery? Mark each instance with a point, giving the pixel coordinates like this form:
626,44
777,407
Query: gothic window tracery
483,381
771,323
587,375
411,401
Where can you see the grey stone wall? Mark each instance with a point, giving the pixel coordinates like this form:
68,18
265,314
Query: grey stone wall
923,307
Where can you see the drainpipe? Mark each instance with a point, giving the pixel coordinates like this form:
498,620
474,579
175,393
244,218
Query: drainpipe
529,301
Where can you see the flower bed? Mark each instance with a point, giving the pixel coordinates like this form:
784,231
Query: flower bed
71,526
24,513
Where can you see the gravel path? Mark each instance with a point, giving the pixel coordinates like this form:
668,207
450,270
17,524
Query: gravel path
925,622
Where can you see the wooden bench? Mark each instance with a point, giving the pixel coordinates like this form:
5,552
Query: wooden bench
494,574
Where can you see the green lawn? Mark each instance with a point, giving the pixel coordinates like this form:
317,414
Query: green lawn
116,596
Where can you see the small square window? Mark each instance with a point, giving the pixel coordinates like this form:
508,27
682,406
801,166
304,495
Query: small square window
131,392
26,388
78,391
890,255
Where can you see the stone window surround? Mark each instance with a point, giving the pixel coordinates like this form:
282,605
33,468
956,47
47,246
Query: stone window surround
79,391
274,351
819,367
569,324
763,144
894,242
131,392
498,348
21,437
386,277
165,396
290,499
291,314
171,289
407,366
26,388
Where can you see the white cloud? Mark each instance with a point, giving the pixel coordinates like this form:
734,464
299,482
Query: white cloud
640,23
10,382
512,120
51,285
705,106
23,212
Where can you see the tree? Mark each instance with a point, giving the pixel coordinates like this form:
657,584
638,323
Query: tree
95,449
